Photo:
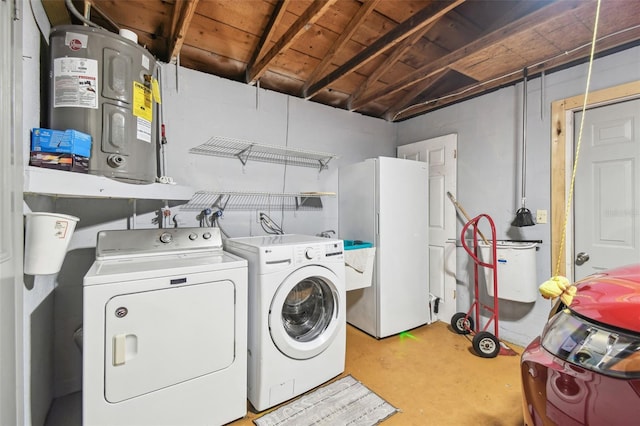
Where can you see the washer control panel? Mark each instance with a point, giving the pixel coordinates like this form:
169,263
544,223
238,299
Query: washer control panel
148,242
318,252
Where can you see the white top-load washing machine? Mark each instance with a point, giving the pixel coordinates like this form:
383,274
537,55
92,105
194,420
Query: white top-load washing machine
165,330
297,323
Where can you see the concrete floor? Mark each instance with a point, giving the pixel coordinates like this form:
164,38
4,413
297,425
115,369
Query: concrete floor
433,377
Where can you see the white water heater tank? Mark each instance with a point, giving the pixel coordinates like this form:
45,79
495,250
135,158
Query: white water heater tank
101,84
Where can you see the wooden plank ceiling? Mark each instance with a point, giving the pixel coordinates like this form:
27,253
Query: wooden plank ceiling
392,59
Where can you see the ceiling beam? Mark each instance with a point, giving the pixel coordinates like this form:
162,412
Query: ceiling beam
183,12
412,25
605,44
90,8
410,97
525,23
462,94
363,12
57,12
309,17
398,52
267,34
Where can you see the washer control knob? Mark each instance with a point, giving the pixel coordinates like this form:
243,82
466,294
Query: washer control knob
206,235
166,237
193,236
308,253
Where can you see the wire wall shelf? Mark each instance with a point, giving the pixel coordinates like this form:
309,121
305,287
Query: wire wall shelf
256,201
220,146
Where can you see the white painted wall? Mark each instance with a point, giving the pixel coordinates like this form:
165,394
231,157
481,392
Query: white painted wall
489,132
200,106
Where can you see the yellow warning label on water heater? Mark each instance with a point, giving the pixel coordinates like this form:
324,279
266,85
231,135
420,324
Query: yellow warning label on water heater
142,101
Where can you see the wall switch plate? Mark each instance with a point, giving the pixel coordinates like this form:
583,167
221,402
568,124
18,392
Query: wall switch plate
541,216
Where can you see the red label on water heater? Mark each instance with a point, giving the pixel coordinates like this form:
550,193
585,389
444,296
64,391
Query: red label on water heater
75,44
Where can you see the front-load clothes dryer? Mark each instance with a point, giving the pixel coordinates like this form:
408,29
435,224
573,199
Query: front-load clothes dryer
164,328
297,323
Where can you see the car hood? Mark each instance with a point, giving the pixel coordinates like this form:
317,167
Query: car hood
611,297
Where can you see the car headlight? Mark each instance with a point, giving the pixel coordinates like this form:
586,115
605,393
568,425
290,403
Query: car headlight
593,346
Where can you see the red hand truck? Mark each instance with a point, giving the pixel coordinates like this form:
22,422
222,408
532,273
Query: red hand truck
485,344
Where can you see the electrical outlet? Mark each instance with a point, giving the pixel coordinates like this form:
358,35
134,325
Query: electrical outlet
541,216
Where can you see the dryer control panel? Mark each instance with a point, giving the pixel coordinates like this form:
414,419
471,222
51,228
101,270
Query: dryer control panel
149,242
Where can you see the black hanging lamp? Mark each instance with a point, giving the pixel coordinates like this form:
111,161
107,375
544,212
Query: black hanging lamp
523,215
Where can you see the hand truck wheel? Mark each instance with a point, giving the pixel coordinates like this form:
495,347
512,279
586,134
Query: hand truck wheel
486,344
461,323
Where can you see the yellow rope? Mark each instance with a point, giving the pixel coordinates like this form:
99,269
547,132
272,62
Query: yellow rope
559,286
575,161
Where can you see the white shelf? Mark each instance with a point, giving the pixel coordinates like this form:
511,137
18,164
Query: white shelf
256,200
58,183
244,151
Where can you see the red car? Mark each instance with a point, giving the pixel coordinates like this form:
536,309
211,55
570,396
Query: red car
584,369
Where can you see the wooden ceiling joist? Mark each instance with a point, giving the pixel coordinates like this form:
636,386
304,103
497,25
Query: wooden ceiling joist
57,12
267,34
182,14
406,100
365,10
412,25
463,93
606,44
398,52
309,17
526,23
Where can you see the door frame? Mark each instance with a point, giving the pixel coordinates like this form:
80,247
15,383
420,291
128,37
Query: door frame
562,164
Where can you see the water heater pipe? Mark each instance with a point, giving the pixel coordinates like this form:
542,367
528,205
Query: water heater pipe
524,139
78,15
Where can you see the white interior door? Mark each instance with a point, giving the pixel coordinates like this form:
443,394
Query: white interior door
607,189
440,154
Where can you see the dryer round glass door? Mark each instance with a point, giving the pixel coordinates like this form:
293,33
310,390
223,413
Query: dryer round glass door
304,316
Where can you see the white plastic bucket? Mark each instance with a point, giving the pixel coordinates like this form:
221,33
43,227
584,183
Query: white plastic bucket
46,240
